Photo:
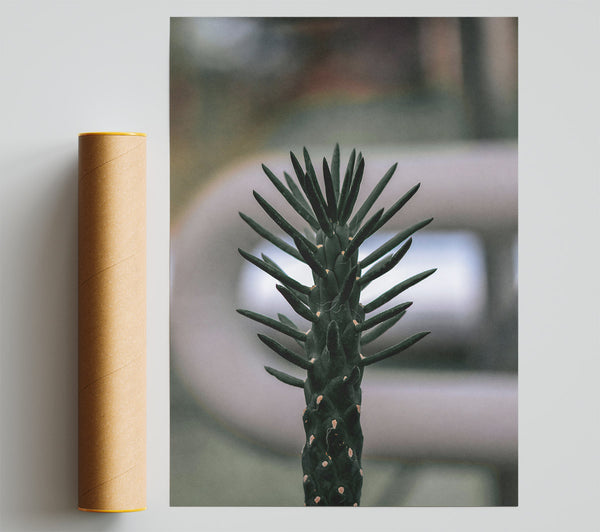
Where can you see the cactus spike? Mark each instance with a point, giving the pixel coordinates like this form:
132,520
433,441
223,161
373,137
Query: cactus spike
372,198
397,206
394,350
274,272
310,186
392,242
329,191
385,265
399,288
363,233
274,324
270,261
310,259
281,221
383,316
297,193
347,182
284,352
347,285
285,320
301,296
372,335
300,174
335,170
310,172
315,196
285,378
300,308
289,197
267,235
353,193
313,193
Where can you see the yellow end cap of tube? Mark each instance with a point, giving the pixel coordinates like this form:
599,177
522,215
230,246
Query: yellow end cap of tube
117,133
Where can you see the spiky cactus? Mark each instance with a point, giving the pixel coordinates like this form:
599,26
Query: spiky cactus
331,457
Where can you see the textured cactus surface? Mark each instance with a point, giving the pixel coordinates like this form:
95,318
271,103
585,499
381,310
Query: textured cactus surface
340,323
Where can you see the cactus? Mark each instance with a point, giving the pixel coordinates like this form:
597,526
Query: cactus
331,457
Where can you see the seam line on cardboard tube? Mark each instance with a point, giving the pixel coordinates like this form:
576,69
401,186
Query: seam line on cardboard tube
95,274
81,177
107,481
110,373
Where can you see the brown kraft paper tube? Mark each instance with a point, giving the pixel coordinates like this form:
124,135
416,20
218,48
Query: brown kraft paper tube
112,322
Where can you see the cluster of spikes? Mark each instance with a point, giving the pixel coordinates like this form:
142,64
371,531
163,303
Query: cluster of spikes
332,357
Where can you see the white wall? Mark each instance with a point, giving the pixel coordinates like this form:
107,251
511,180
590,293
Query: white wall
67,67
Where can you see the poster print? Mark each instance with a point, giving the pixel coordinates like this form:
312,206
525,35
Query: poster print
436,100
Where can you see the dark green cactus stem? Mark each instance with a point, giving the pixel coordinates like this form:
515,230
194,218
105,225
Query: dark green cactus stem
332,358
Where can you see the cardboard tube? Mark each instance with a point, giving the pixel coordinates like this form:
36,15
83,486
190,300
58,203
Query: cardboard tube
112,322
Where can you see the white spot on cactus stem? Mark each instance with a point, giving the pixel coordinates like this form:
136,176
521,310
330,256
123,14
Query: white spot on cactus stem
311,439
345,378
319,246
350,452
341,489
319,399
318,313
358,277
324,463
343,253
333,423
312,360
327,271
317,499
361,473
358,408
362,357
350,238
304,478
355,322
